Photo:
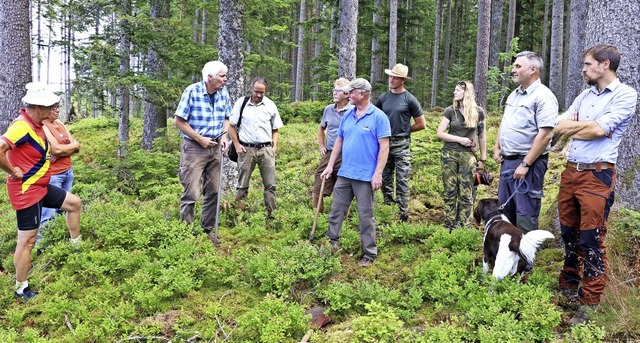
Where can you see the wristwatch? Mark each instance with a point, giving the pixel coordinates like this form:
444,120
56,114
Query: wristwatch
525,164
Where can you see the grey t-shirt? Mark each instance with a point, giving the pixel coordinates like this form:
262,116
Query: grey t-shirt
457,128
330,121
399,108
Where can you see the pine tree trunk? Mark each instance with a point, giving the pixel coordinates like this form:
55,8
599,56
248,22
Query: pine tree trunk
557,47
496,32
300,52
393,32
482,51
124,50
511,27
574,82
348,38
316,49
15,59
436,51
545,39
231,53
616,22
446,62
155,119
376,75
203,25
231,44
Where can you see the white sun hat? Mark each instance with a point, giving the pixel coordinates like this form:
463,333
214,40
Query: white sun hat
39,93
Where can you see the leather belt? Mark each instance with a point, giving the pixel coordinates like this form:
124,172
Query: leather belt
598,166
256,145
512,157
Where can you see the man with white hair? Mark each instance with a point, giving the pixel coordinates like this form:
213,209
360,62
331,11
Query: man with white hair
202,117
24,155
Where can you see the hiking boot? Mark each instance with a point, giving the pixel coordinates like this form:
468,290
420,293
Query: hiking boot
365,261
404,218
571,294
335,246
27,294
582,314
212,237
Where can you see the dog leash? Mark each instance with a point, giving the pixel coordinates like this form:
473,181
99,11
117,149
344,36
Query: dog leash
509,173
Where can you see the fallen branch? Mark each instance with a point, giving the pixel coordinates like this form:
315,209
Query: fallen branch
144,339
629,281
68,323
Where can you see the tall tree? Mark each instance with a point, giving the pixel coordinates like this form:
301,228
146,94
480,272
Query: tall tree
375,74
557,45
124,50
482,51
155,118
348,38
609,22
231,44
15,58
574,81
297,94
436,52
511,27
393,32
545,36
496,32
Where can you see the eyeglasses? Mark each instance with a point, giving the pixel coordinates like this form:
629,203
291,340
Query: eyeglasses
337,91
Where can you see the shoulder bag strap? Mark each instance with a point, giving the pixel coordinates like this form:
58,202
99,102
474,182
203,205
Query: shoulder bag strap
244,103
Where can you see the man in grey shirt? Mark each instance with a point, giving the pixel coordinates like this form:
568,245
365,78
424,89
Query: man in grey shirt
524,140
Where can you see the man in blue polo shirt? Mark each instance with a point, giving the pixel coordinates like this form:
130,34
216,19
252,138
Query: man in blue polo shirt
202,117
363,142
596,120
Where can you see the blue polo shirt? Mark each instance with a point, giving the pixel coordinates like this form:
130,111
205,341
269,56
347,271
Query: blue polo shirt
360,144
205,117
612,109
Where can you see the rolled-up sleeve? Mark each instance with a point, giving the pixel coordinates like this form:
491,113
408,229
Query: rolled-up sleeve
623,106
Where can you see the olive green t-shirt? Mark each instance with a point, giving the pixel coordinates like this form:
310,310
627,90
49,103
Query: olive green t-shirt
457,128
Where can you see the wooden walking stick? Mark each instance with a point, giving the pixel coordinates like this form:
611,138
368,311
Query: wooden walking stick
312,236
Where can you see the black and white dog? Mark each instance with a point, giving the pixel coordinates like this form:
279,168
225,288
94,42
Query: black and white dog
506,249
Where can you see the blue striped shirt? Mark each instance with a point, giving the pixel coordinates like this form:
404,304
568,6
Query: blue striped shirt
196,109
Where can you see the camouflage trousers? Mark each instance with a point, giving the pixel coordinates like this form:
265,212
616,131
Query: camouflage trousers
399,160
458,168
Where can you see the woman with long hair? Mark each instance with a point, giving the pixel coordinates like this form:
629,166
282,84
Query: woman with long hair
463,132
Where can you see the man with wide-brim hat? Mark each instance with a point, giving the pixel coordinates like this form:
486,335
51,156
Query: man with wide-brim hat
401,107
24,155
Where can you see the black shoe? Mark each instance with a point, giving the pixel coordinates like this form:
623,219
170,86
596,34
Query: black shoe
404,218
583,313
365,261
212,237
335,246
27,294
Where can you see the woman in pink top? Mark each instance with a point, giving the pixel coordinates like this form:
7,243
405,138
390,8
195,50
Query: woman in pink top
62,147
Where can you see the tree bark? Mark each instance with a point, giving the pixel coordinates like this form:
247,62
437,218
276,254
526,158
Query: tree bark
511,27
300,52
545,38
482,51
446,62
231,44
15,59
348,38
496,32
574,82
155,119
436,52
557,46
393,32
124,50
376,72
616,22
231,52
316,49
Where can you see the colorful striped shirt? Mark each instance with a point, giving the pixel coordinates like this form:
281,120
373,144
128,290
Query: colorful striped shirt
29,151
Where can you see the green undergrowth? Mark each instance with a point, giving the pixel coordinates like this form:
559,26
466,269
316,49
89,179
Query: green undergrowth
140,274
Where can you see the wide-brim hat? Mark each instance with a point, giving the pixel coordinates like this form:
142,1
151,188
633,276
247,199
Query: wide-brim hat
40,94
399,70
358,83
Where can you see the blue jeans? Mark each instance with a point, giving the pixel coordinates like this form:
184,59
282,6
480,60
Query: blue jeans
63,180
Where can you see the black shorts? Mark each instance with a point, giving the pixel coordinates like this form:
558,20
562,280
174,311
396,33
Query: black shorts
29,218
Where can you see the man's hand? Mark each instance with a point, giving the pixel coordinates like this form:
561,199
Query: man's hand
327,172
520,172
376,181
323,150
206,142
17,173
497,155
